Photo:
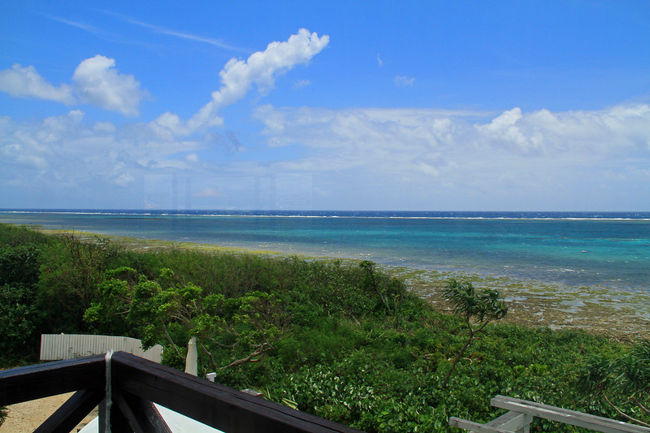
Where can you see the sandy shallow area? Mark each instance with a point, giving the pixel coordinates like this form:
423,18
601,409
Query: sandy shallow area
26,417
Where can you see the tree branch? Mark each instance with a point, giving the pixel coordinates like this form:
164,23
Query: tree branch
207,352
351,316
265,347
169,339
458,356
223,346
482,327
645,409
620,412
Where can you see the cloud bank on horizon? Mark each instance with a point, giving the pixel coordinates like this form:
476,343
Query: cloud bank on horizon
406,153
299,156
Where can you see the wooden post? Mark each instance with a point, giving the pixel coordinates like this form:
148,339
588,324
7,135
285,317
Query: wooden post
191,359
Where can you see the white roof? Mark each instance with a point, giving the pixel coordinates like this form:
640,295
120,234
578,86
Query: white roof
177,422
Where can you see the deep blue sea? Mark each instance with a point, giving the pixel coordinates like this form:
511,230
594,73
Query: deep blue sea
573,248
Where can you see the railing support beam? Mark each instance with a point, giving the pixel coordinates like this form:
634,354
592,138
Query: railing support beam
71,413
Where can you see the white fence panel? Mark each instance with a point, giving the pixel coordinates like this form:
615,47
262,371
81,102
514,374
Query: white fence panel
64,346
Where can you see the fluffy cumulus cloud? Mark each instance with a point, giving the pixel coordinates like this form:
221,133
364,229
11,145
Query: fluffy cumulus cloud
95,81
260,69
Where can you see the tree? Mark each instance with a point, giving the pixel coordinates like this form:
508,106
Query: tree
477,310
388,291
166,311
19,264
20,317
19,324
70,272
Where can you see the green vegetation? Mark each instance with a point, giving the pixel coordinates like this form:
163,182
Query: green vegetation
345,342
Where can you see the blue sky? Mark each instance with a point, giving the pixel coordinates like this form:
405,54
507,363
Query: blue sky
462,105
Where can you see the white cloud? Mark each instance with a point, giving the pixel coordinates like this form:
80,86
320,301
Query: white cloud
402,158
302,83
620,128
613,130
122,179
25,82
84,161
67,151
83,26
404,81
261,69
354,158
176,33
106,127
504,129
349,158
95,82
167,126
380,61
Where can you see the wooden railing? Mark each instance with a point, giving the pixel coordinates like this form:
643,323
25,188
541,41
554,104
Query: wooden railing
521,413
126,399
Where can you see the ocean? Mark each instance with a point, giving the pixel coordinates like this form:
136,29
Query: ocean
595,249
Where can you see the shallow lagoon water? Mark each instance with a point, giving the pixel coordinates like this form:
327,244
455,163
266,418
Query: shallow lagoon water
574,249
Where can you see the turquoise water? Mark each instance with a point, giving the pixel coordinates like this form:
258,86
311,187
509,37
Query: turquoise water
577,249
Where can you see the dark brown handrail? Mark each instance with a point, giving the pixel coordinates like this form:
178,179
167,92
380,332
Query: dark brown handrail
136,383
52,378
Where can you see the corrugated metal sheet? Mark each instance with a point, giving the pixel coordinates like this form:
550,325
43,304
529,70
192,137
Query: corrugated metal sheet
63,346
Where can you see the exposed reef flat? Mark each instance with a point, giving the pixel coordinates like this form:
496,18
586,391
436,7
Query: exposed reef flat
621,314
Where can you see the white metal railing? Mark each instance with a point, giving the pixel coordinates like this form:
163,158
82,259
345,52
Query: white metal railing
521,413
